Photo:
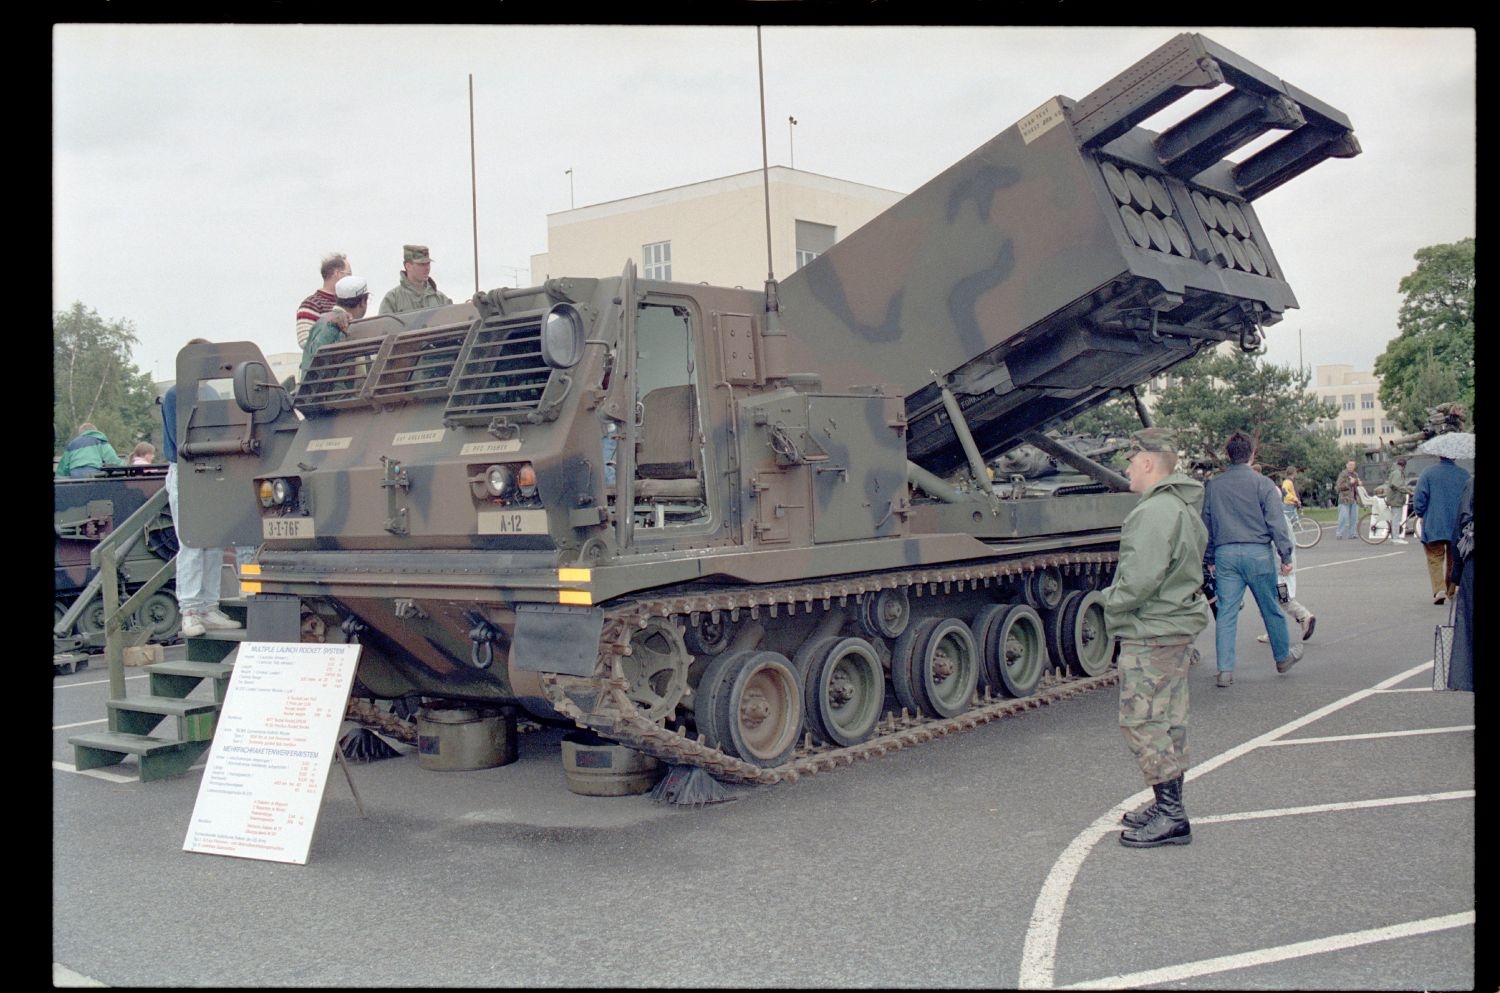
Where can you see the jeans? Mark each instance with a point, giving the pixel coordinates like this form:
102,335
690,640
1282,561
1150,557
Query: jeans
1348,520
200,571
1238,567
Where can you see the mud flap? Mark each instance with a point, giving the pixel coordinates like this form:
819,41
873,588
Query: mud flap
556,638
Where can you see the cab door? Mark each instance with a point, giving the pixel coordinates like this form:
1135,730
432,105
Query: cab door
225,442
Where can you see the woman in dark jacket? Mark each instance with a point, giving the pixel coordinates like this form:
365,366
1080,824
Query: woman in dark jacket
1461,664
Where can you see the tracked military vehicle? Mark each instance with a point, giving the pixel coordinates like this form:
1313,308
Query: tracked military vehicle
85,512
753,531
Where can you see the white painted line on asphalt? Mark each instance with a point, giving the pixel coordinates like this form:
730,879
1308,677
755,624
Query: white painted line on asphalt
1323,808
95,682
1279,953
108,777
80,724
62,976
1369,735
1410,689
1039,954
1363,558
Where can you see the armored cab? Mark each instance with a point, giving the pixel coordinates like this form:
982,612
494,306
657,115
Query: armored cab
754,531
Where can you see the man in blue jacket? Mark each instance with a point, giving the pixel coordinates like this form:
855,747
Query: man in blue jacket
1247,534
1436,502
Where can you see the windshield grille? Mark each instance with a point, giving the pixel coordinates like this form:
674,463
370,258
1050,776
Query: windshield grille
337,374
418,364
502,372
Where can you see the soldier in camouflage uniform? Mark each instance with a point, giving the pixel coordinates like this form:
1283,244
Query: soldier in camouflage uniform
416,290
1155,608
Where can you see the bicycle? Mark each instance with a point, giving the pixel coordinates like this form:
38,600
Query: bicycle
1305,530
1374,524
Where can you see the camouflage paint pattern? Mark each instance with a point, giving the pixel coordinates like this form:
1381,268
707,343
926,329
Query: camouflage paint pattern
1013,281
1154,707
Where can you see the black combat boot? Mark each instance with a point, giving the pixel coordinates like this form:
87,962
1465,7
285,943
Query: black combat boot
1168,826
1139,818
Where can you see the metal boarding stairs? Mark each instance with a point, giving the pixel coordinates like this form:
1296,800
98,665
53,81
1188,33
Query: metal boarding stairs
132,720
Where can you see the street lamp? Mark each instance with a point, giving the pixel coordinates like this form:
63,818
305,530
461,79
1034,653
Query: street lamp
791,122
569,174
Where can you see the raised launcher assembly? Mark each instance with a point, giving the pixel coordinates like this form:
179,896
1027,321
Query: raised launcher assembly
720,525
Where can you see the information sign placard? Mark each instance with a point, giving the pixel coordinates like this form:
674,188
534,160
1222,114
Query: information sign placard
272,750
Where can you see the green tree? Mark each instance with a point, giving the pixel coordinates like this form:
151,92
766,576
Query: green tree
1434,351
93,379
1220,392
1114,418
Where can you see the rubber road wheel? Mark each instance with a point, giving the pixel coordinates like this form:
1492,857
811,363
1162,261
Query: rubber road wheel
1306,532
843,689
1016,650
1087,650
758,709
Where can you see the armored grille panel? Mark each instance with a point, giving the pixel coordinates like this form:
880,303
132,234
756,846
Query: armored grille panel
501,372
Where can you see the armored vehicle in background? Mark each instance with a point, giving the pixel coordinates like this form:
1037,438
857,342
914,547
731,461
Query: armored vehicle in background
732,528
87,510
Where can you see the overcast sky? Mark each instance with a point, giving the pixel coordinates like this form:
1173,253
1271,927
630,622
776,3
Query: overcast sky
200,172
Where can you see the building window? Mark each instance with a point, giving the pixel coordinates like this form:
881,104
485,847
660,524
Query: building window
1348,428
657,257
813,240
1367,426
1349,402
1367,401
1386,427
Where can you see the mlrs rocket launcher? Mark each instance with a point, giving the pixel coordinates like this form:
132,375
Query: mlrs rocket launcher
649,507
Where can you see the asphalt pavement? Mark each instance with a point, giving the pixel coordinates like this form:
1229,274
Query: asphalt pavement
1333,848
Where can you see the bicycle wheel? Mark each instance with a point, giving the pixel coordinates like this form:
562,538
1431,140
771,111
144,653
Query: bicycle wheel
1372,532
1306,532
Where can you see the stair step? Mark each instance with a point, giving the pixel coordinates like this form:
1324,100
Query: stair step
167,706
186,667
196,719
160,758
220,634
179,678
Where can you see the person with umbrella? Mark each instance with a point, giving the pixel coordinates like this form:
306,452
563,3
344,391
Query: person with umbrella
1436,503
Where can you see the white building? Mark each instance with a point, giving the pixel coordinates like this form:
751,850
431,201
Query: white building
1357,395
710,232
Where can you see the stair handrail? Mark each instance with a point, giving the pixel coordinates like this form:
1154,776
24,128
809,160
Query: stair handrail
105,556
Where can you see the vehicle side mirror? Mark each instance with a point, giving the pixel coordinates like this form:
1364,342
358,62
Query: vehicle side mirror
253,384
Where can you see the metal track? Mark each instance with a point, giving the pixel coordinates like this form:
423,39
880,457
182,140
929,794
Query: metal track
601,704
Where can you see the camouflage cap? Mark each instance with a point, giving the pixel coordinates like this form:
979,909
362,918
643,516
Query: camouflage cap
1153,440
415,253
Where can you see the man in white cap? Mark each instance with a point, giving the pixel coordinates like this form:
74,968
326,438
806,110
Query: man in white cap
353,294
416,290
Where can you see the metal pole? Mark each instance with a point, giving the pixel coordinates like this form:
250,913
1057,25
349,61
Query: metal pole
570,188
791,122
765,168
473,185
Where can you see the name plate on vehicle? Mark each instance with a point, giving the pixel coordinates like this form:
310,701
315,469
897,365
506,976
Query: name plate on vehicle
418,437
329,444
272,528
512,522
507,447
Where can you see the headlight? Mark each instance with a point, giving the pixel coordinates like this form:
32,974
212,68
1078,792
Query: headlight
276,492
562,336
526,481
499,481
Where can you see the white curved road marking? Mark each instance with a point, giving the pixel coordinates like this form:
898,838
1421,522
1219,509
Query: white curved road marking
1039,955
1280,953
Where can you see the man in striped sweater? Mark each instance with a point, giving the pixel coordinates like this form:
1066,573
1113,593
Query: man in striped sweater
334,268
